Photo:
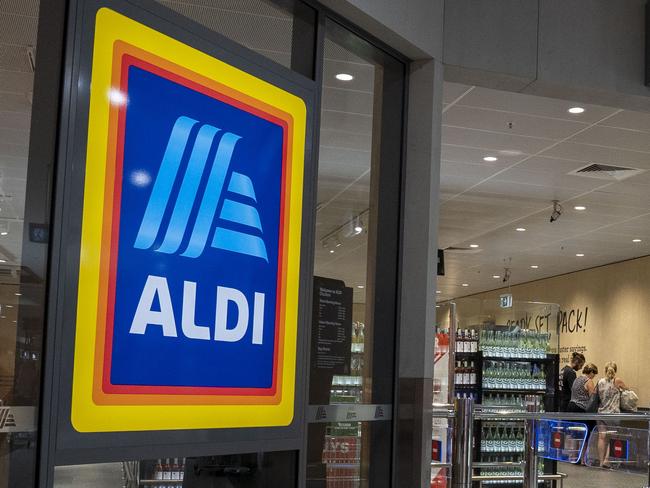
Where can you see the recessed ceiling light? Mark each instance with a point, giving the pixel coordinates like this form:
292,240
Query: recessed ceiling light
636,240
580,255
3,260
344,77
437,306
496,277
576,110
473,246
360,286
4,233
9,306
490,159
534,266
465,284
18,294
580,207
520,229
438,292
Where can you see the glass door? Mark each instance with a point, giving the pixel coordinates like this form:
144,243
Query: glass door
355,284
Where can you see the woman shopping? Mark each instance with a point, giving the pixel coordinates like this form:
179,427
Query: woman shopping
609,392
582,389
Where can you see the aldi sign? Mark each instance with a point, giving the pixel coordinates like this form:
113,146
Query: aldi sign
190,249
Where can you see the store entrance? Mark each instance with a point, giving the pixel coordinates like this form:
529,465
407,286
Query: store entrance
544,225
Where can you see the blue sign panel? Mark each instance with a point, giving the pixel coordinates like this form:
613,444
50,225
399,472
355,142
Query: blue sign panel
198,240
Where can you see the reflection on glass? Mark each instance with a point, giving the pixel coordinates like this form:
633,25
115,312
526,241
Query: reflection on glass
259,25
24,214
352,357
232,471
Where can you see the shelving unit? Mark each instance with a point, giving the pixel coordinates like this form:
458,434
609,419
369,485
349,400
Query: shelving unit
504,382
342,449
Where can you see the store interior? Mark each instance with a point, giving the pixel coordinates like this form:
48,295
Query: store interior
544,223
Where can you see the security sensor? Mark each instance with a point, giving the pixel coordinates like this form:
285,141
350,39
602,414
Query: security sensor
557,211
506,275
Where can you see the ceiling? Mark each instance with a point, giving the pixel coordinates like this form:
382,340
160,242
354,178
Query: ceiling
537,143
535,140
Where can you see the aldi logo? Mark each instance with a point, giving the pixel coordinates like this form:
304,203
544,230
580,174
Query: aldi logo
190,255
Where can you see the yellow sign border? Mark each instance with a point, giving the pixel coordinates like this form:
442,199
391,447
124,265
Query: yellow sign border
86,415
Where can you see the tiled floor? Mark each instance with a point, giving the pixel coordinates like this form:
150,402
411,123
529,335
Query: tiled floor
583,477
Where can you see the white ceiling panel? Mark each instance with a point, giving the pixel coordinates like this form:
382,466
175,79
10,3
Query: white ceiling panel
548,179
532,105
510,123
493,141
627,119
465,154
599,154
452,91
619,138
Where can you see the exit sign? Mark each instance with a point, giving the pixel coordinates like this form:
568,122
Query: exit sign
505,301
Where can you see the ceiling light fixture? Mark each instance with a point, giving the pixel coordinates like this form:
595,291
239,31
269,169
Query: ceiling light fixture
576,110
438,292
520,229
534,266
465,284
4,233
344,77
18,294
3,260
496,277
636,240
490,159
580,255
331,251
580,208
474,246
361,287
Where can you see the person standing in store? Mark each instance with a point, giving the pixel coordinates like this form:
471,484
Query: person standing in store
582,389
609,391
567,377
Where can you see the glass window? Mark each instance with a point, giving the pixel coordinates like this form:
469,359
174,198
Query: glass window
25,192
260,25
233,471
353,329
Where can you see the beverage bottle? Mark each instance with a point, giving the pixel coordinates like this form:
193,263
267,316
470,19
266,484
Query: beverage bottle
175,470
512,441
473,341
167,470
472,373
466,374
457,373
158,470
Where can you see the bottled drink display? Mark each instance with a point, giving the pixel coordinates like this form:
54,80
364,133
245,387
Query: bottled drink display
520,344
504,375
502,439
465,373
466,340
167,471
514,401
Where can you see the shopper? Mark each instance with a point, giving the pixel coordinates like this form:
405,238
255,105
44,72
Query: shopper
583,389
609,391
567,377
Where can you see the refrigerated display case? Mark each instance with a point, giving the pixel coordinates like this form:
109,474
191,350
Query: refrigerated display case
499,355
